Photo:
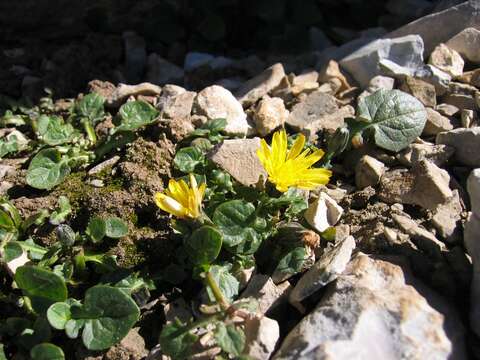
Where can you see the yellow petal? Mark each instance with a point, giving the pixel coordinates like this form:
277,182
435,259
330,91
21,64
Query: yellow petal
170,205
297,147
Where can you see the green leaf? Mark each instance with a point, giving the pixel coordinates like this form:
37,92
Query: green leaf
73,327
176,340
111,315
293,262
96,229
204,245
135,114
53,131
187,158
396,118
58,315
230,338
11,251
47,169
237,220
61,213
225,280
39,333
2,352
47,351
8,146
115,228
91,107
6,222
42,286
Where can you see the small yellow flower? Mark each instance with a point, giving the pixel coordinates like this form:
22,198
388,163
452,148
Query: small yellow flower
181,200
287,168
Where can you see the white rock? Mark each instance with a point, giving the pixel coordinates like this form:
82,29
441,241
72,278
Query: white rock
262,334
447,60
330,265
467,43
176,106
239,158
323,213
257,87
405,51
216,102
370,312
436,123
446,217
466,143
103,165
270,113
161,71
268,295
381,82
368,172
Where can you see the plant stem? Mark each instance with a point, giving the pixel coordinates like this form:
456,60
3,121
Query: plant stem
87,125
217,292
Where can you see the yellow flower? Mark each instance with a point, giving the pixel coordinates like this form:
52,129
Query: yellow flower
182,200
287,168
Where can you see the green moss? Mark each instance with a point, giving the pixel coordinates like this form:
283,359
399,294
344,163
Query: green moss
132,255
74,188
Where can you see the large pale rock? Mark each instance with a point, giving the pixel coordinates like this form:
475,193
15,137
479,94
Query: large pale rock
262,334
437,154
370,312
446,218
323,213
239,158
123,92
330,265
425,185
363,64
175,106
262,288
254,89
466,143
269,115
467,43
436,123
216,102
161,71
368,172
447,60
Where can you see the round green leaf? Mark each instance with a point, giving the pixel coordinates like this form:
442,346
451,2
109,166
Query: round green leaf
230,338
187,158
47,169
91,107
115,228
96,229
53,131
42,286
204,245
58,314
46,351
111,312
225,281
135,114
397,118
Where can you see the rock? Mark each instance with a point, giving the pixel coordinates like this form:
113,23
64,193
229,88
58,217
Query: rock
131,347
216,102
447,109
368,172
309,76
135,56
331,264
467,43
323,213
262,334
437,154
405,51
371,312
461,101
425,185
318,40
123,92
446,218
436,123
447,60
239,158
441,26
475,78
381,82
268,295
473,188
161,71
269,115
438,78
176,106
468,118
103,88
421,237
332,71
255,88
104,165
6,170
196,59
420,89
466,143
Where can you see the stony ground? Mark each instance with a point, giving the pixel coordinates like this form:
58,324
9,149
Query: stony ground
400,279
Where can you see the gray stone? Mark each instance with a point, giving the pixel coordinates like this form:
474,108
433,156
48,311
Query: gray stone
461,101
436,77
262,288
468,118
447,109
437,154
176,106
447,60
255,88
323,213
466,143
420,89
161,71
381,82
123,92
331,264
262,334
436,123
441,26
368,172
446,217
104,165
216,102
406,52
331,72
467,43
239,158
371,311
270,113
196,59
